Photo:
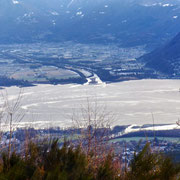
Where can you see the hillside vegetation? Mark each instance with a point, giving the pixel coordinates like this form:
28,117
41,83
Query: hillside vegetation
49,161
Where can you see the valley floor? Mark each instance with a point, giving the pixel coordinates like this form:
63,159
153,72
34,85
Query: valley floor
130,102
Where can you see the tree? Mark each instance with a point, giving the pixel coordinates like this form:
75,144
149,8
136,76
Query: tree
151,165
94,121
13,114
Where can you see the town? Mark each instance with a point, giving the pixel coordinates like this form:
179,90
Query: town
70,62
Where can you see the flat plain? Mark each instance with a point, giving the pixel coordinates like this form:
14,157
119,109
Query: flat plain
130,102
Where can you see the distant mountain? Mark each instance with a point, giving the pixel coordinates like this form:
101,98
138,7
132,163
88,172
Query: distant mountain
127,22
165,59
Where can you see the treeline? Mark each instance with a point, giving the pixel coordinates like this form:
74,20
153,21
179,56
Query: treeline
160,133
49,161
20,133
5,81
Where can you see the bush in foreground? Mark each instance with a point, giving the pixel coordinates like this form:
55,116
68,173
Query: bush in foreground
147,165
43,162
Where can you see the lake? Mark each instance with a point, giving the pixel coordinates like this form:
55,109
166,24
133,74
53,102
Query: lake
130,102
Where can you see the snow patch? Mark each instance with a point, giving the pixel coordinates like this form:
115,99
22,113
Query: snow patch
124,21
54,22
79,13
131,128
149,5
54,13
102,12
15,2
28,15
158,4
70,4
175,17
167,5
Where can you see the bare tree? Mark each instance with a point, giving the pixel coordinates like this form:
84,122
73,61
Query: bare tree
93,121
2,113
178,122
13,114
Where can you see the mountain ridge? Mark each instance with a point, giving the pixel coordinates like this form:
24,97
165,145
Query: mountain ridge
126,22
165,59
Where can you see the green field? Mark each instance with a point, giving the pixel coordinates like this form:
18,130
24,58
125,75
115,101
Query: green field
128,139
